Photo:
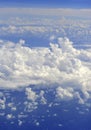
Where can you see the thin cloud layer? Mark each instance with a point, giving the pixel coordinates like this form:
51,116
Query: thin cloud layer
46,11
60,66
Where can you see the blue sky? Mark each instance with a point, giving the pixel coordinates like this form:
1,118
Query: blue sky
47,3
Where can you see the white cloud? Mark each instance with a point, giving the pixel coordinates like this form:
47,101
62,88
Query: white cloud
30,94
9,116
78,30
65,93
52,38
42,98
2,101
30,106
61,64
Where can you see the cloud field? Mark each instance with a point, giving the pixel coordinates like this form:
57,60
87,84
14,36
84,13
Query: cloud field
60,66
46,75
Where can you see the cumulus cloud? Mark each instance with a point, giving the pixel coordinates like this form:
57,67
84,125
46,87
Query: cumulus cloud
78,30
61,65
30,94
65,93
2,101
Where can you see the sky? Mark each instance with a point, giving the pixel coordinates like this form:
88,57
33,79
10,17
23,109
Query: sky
35,71
47,3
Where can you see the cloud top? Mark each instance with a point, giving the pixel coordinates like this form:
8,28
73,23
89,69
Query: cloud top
61,65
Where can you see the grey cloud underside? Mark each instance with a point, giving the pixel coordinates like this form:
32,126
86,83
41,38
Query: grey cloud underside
61,65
